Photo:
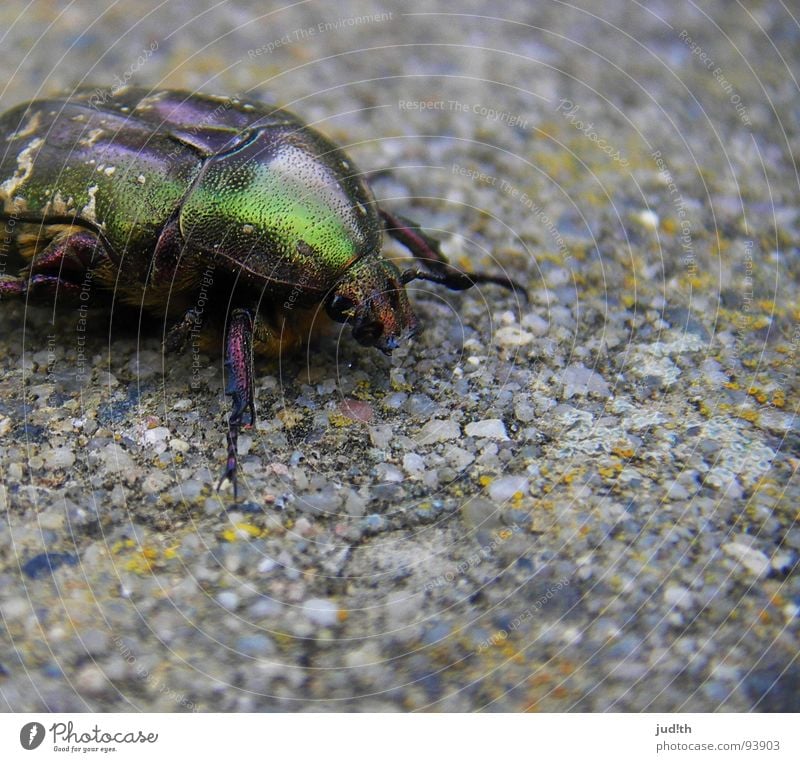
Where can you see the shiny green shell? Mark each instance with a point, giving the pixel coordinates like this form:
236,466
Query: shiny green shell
250,185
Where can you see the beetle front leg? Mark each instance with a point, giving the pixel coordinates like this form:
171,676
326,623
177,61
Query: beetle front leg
428,250
57,268
73,252
37,286
239,385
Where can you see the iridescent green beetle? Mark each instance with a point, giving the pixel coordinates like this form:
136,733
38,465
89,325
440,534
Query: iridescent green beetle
159,197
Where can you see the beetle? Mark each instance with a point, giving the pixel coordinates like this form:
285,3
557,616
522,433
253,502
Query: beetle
160,196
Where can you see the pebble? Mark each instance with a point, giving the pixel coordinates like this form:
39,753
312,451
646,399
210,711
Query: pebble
228,600
438,431
355,504
156,438
524,411
402,608
395,400
116,460
381,436
59,458
321,611
489,428
389,473
255,645
44,564
374,523
302,526
265,607
188,490
512,336
368,655
156,482
95,642
419,405
15,608
357,410
753,560
91,680
578,379
53,518
459,458
601,310
319,503
678,596
480,513
648,219
536,324
266,565
179,444
413,464
503,489
782,561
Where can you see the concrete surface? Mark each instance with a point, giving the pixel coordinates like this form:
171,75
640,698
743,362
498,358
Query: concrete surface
587,502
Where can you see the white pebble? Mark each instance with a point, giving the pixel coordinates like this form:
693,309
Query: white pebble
116,460
228,599
381,436
648,219
91,680
156,438
753,560
438,431
413,463
506,487
320,611
266,565
579,379
490,428
678,596
512,336
536,324
458,457
59,457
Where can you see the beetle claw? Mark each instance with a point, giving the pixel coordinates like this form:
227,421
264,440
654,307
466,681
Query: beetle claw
229,474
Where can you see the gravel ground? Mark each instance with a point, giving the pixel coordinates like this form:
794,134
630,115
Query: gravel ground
587,502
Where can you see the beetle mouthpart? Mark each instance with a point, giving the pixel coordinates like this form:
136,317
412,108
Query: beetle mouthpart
391,344
369,334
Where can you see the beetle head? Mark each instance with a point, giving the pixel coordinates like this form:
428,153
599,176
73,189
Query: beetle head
371,297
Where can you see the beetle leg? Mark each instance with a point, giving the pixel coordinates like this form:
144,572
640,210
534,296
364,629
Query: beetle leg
427,250
39,285
53,269
239,386
167,254
178,336
74,252
12,287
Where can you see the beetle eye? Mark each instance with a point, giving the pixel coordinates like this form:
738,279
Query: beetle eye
340,308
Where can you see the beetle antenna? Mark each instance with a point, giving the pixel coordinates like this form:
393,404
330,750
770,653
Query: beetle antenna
464,280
